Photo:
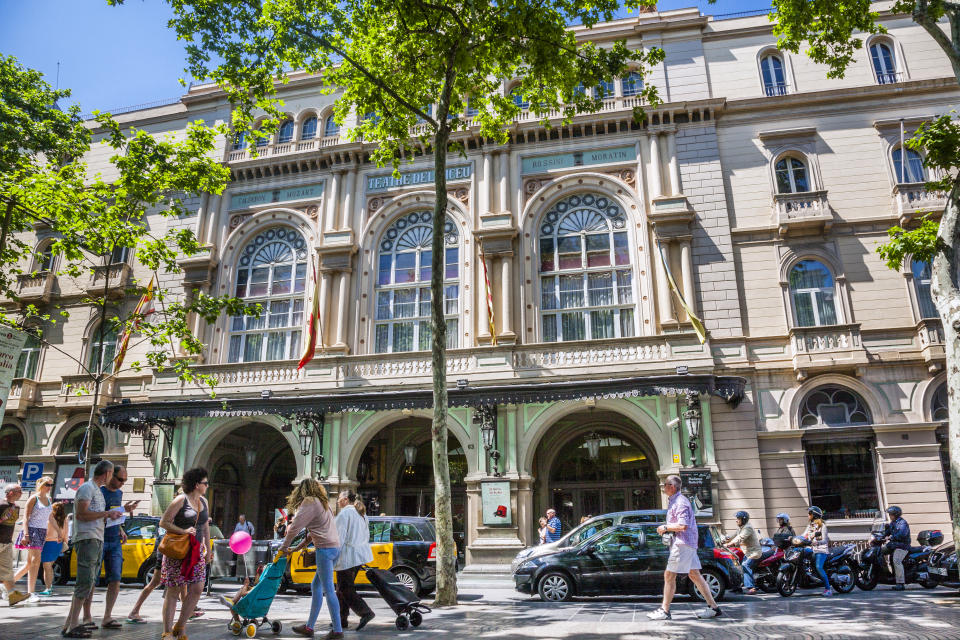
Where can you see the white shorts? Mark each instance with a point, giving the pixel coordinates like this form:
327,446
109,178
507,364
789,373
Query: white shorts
682,559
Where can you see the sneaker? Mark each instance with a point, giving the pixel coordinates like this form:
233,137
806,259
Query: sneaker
33,599
363,621
709,613
225,601
899,587
16,597
303,630
827,592
660,614
46,594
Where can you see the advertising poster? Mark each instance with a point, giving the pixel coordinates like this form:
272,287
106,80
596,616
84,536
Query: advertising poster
495,502
11,343
68,480
698,487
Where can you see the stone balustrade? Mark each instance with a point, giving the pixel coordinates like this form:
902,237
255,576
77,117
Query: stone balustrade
806,211
112,279
35,287
827,346
77,392
913,198
931,340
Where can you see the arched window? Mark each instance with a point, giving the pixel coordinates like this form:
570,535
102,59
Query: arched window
833,406
240,141
331,128
75,439
921,280
119,255
29,359
884,63
271,271
11,444
103,347
518,98
471,109
403,285
586,281
604,89
774,79
791,175
46,259
938,406
264,141
285,134
308,130
632,85
812,291
912,171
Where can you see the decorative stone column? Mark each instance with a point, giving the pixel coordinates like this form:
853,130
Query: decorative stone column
343,284
503,173
333,201
686,266
483,331
336,260
664,297
506,334
348,199
674,167
656,181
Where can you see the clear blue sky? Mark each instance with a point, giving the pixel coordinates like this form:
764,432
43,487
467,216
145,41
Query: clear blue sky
114,57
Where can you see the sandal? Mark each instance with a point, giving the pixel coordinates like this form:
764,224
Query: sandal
78,631
90,626
137,620
112,624
177,632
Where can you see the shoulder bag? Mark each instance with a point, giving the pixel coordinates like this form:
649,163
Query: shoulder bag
176,546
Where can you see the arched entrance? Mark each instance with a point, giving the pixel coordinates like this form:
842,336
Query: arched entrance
252,470
595,462
395,474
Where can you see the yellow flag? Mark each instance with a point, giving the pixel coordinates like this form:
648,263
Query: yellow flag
694,320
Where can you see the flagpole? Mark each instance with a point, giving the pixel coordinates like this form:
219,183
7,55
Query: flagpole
903,155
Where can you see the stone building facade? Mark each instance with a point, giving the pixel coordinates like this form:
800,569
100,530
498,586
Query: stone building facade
765,187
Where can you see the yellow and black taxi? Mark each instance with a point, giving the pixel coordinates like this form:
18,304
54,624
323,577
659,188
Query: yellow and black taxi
405,545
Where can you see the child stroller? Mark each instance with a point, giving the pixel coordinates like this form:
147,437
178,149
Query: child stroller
253,607
404,602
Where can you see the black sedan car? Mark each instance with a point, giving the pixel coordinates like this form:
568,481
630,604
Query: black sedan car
943,565
627,559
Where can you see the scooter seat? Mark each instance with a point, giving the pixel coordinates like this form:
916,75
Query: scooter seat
836,551
767,553
917,549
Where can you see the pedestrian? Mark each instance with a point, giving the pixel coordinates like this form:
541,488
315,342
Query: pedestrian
113,538
747,539
280,527
90,514
54,544
684,540
188,514
554,528
9,514
816,533
134,616
244,526
897,532
34,533
542,531
311,505
354,532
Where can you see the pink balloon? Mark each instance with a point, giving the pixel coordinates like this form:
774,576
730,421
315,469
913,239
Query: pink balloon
240,542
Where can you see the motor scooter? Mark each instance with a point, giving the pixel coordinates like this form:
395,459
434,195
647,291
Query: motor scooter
798,569
875,563
766,571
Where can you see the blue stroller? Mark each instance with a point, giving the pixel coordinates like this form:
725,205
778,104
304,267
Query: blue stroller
253,607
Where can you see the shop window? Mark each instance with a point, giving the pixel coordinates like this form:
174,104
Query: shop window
308,130
812,291
11,444
921,281
833,406
103,348
586,277
29,359
271,271
285,134
842,478
402,291
791,173
911,171
774,79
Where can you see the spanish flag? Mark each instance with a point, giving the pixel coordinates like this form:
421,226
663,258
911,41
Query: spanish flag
144,308
694,320
486,282
314,327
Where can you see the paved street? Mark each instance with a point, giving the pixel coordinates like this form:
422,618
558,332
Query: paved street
490,609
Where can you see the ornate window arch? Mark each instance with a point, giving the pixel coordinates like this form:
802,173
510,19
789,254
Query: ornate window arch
271,271
586,273
813,294
885,59
74,439
833,405
631,84
308,129
792,173
402,288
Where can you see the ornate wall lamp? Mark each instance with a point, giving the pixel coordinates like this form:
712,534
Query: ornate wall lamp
486,417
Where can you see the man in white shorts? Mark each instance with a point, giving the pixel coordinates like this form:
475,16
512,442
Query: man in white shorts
683,552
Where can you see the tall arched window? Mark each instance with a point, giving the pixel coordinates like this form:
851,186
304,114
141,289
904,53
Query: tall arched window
29,359
938,406
632,85
604,89
921,281
812,291
884,63
912,171
774,79
308,130
791,175
272,271
331,128
11,445
240,141
403,285
285,134
46,259
103,348
75,439
833,406
518,98
586,281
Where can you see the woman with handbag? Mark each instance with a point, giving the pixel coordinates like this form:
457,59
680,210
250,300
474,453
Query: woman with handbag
35,520
354,532
186,551
312,506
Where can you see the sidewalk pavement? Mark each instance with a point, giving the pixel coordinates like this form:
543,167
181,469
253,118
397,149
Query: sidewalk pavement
495,611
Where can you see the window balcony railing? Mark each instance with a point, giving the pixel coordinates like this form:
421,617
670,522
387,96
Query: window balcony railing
826,346
35,287
77,392
931,339
285,148
776,89
807,209
24,393
115,278
889,77
912,198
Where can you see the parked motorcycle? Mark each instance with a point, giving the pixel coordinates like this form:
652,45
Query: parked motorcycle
798,569
875,568
765,574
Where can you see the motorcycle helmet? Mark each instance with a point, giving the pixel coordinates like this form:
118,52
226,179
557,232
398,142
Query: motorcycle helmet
783,518
895,511
816,511
742,517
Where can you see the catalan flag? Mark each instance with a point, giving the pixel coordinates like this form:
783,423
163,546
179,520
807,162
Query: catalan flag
144,308
314,326
486,282
694,320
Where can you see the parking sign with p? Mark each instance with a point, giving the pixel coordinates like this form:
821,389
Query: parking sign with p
31,473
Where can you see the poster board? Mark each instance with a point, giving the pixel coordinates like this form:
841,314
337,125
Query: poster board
698,487
11,344
495,503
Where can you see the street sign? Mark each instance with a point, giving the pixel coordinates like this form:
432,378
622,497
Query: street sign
31,473
11,344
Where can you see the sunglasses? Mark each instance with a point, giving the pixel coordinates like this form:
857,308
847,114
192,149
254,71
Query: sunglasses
206,482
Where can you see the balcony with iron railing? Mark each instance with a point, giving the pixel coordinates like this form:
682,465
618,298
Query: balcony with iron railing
776,89
888,77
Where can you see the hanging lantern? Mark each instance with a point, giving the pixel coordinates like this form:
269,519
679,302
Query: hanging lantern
593,445
251,455
306,439
410,454
149,443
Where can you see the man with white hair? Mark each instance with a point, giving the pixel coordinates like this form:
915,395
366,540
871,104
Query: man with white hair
554,528
9,514
682,525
